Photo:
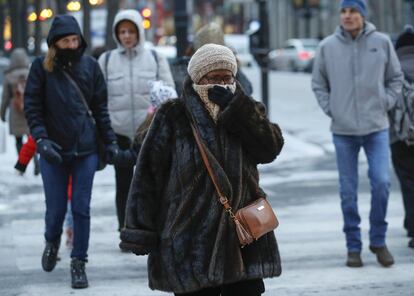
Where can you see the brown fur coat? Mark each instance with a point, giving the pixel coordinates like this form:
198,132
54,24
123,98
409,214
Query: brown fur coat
173,212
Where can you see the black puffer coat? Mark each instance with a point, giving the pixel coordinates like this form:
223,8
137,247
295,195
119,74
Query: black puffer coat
173,211
53,107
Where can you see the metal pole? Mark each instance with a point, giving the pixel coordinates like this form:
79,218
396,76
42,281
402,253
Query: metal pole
307,15
38,29
264,44
181,24
265,88
112,8
2,19
87,24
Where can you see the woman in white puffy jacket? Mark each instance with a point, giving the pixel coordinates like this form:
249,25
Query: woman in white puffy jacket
127,70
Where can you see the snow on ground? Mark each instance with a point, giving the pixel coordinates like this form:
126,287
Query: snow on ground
311,242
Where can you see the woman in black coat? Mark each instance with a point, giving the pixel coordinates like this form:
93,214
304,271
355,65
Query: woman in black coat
173,213
66,136
402,141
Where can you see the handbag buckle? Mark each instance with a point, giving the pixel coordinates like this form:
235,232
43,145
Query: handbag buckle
223,200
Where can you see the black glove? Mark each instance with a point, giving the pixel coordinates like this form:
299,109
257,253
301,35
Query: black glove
49,150
220,96
20,167
111,152
125,158
136,249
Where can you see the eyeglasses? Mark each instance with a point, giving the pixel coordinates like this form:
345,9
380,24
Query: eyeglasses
228,79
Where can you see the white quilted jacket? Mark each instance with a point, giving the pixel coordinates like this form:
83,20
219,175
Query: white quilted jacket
128,73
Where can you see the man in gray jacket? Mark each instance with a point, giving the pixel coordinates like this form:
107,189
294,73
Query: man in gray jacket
356,79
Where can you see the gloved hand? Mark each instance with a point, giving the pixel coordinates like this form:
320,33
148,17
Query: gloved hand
111,152
136,249
20,167
125,158
49,150
220,96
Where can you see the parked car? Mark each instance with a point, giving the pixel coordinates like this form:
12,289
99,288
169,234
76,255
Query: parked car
295,55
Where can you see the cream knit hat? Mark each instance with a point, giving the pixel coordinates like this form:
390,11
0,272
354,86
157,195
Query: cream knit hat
211,57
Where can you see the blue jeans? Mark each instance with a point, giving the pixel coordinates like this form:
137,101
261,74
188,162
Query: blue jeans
55,183
68,217
376,147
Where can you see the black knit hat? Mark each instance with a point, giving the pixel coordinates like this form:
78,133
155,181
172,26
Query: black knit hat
406,38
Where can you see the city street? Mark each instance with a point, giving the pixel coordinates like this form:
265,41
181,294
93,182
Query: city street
302,188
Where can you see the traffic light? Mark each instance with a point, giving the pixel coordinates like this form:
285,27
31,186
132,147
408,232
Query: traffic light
146,14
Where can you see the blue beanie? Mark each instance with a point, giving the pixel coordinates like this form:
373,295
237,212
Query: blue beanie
357,4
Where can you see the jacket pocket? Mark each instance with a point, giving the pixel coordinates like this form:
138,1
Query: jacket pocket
116,84
142,78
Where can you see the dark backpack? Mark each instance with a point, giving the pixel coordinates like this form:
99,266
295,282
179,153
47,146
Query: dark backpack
402,116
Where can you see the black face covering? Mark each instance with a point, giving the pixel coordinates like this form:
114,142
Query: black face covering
68,56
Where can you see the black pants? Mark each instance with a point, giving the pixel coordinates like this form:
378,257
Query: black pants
244,288
123,179
403,161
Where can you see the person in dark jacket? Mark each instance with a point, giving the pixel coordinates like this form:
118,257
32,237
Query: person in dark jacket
173,212
66,135
402,144
12,96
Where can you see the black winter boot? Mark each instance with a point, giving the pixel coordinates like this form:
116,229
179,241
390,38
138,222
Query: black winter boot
49,257
354,259
384,256
411,243
77,270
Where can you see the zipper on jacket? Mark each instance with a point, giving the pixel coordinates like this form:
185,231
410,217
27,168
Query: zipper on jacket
355,79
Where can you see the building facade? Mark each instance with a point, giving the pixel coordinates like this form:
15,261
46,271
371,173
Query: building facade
289,19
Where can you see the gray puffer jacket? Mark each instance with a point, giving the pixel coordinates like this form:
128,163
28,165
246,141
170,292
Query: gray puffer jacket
357,81
128,73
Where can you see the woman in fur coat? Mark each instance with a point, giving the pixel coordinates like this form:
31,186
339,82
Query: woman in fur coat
173,212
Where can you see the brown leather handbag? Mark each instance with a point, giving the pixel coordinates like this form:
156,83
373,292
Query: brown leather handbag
252,221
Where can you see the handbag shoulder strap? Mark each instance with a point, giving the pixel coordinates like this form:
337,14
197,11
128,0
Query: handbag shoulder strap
80,93
107,56
154,54
244,236
223,199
